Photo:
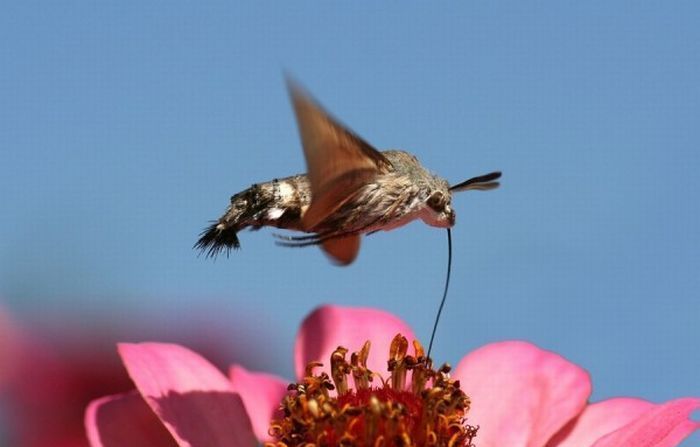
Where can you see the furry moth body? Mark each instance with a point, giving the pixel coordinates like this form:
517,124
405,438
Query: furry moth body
350,189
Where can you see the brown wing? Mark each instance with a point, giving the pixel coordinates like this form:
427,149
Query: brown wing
339,162
343,250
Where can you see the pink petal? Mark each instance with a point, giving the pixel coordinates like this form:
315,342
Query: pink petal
191,397
124,419
12,348
521,395
599,419
330,326
664,425
262,395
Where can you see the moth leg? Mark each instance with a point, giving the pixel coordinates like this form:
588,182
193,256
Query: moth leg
313,239
298,244
318,238
285,237
310,240
287,240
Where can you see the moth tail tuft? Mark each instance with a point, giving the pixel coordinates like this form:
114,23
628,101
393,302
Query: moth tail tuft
215,239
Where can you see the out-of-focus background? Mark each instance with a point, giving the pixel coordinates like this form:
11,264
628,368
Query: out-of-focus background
125,128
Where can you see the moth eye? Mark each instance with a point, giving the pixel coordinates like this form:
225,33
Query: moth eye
436,201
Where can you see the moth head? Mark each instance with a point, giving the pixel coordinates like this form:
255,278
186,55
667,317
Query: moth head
438,207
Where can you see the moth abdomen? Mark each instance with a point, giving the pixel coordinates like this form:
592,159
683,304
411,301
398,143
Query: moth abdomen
278,203
241,213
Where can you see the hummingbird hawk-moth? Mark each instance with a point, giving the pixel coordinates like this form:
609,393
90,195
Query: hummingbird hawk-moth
350,189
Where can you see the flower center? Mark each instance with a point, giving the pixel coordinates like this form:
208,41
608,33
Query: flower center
417,406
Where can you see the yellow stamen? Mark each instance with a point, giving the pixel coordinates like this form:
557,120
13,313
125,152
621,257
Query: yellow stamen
430,412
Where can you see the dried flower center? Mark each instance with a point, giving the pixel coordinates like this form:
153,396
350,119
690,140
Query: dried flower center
427,410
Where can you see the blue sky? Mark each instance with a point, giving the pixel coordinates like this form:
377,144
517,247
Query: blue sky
125,127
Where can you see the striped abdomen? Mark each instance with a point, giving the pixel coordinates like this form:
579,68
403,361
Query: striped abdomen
279,203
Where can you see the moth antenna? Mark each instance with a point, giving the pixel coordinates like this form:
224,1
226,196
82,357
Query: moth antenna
480,183
444,293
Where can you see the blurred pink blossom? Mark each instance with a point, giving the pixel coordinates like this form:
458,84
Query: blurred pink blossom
520,394
48,375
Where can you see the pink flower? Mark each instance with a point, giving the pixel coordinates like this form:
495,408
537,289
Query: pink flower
520,394
49,374
45,384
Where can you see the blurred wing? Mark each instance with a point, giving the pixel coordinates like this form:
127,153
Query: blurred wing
339,162
343,250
